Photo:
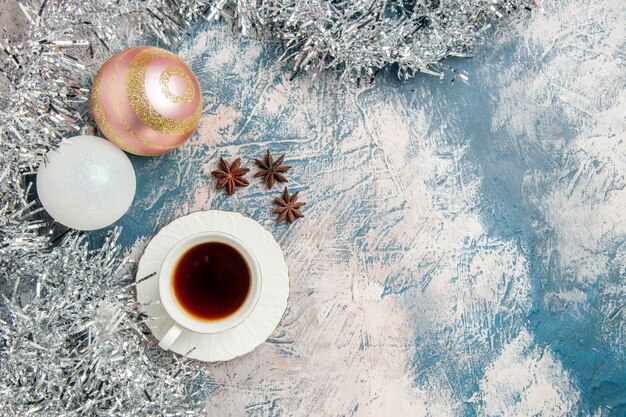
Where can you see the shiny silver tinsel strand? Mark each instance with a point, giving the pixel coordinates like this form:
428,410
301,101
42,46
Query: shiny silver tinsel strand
359,37
72,342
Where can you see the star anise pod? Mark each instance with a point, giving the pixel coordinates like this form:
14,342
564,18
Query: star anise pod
288,207
230,175
271,170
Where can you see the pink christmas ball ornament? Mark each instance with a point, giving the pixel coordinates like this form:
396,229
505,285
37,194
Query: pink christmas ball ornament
146,100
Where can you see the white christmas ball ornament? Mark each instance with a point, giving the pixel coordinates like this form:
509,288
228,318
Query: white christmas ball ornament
87,184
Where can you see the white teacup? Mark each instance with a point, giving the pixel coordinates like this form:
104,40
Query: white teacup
182,319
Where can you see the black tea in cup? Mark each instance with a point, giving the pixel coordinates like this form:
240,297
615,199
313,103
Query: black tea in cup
211,281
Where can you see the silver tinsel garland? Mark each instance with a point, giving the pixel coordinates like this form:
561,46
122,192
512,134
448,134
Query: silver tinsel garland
72,342
360,37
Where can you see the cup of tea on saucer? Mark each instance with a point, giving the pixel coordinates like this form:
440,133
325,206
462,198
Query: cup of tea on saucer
209,283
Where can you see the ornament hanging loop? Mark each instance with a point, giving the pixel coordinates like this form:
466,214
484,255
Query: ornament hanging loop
88,130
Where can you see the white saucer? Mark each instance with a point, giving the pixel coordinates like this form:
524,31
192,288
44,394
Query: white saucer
268,311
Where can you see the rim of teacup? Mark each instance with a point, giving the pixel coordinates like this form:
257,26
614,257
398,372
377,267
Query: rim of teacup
176,311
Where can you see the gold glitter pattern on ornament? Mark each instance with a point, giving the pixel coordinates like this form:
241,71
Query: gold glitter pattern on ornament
136,92
164,81
122,119
103,124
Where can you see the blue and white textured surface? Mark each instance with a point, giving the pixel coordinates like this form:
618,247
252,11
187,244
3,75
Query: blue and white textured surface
463,251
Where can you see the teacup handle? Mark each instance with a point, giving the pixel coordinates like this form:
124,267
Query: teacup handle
170,337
